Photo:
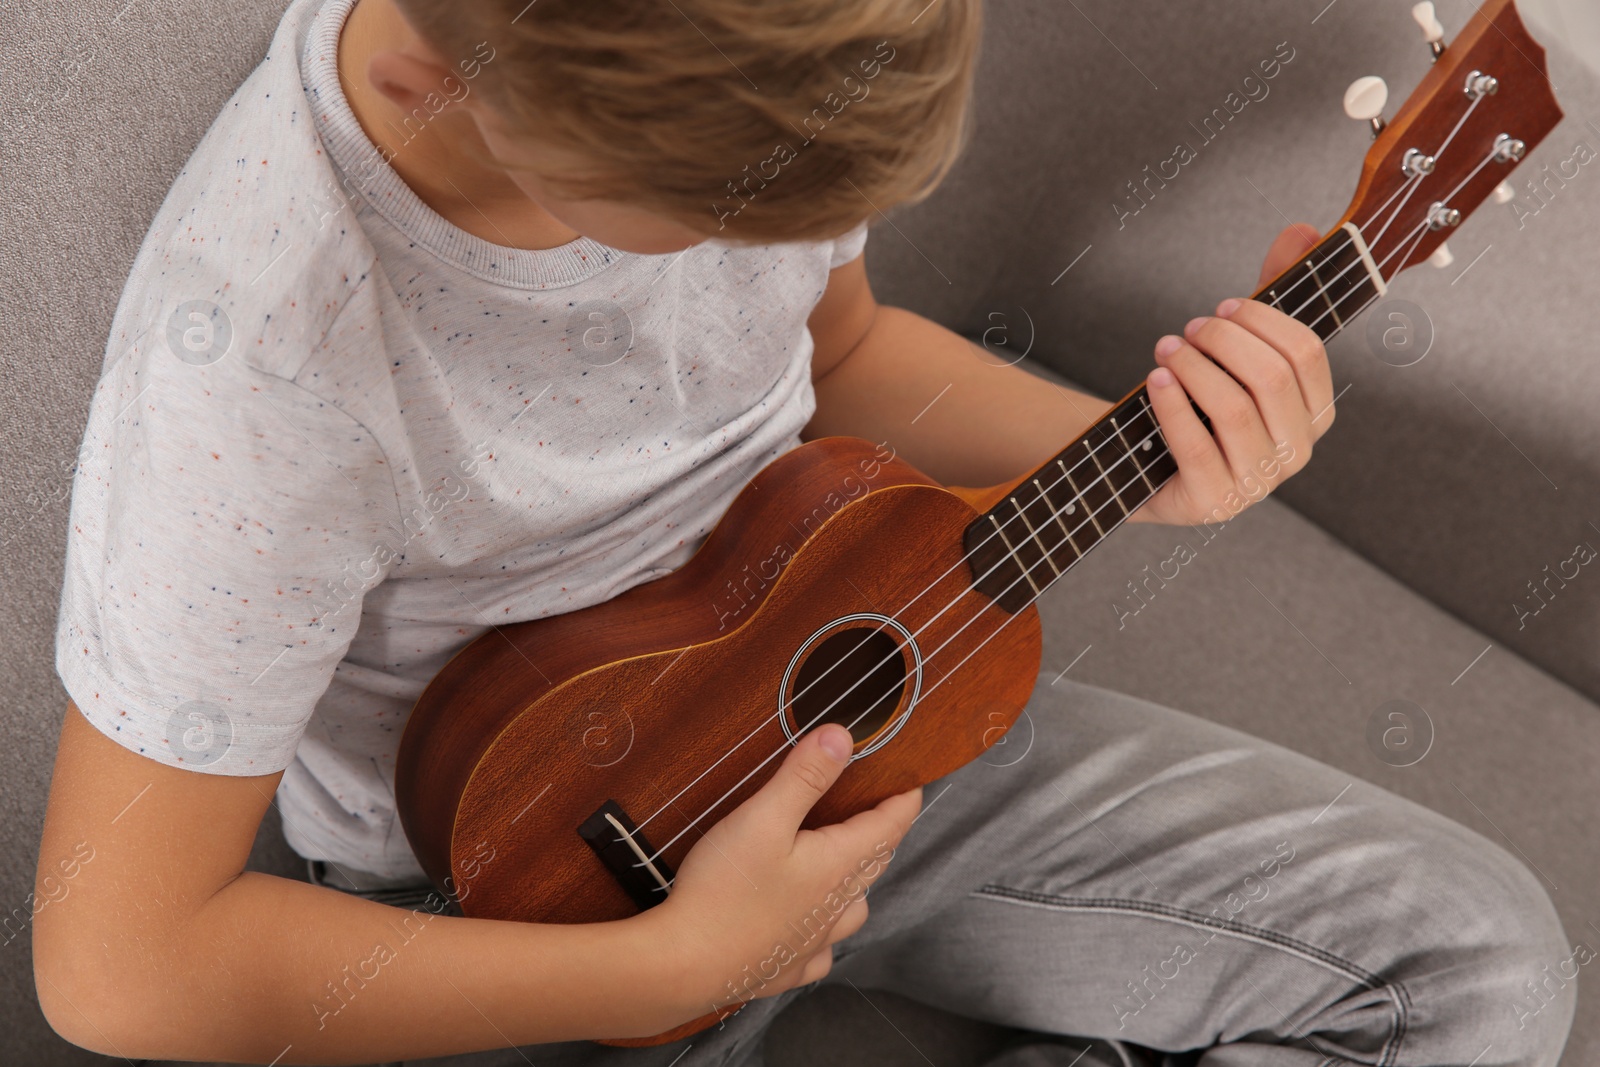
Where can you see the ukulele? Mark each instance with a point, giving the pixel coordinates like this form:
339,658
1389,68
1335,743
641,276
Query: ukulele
557,770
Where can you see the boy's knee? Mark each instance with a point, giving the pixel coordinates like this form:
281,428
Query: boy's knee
1542,967
1520,906
1512,964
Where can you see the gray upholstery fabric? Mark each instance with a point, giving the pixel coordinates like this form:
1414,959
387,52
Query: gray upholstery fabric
1385,569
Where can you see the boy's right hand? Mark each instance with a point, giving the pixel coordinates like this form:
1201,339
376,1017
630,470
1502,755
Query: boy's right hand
758,902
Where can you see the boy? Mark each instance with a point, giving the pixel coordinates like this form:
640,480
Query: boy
465,314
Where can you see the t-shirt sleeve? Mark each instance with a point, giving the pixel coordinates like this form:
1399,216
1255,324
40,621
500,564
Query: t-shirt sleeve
848,246
224,530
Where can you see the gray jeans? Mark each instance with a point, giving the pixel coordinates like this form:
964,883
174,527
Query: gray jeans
1119,870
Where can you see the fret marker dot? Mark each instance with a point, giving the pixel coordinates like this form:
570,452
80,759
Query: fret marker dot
1071,508
1145,446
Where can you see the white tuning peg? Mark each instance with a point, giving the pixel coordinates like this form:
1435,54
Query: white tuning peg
1442,257
1364,101
1504,194
1432,28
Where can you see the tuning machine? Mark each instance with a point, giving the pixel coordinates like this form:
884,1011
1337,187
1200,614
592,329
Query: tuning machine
1442,217
1432,29
1507,149
1417,163
1364,101
1481,84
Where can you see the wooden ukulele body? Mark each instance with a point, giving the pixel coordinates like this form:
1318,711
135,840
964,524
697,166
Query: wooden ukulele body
672,700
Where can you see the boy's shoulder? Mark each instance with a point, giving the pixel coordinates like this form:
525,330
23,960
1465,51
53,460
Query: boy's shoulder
255,251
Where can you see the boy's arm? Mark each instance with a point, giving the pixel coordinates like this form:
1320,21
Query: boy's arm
965,418
952,410
157,946
150,941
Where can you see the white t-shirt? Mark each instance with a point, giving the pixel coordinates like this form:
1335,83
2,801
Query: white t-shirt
336,438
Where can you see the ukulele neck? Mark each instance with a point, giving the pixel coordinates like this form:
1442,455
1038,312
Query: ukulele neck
1049,519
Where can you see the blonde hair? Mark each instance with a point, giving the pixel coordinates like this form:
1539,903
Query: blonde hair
750,120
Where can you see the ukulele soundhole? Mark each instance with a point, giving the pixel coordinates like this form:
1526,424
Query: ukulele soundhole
859,676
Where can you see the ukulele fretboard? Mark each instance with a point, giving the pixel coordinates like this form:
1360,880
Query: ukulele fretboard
1020,546
1045,525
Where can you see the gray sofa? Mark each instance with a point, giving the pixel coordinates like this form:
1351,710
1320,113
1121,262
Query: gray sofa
1388,571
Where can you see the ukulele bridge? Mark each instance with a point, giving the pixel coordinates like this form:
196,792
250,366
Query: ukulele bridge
617,840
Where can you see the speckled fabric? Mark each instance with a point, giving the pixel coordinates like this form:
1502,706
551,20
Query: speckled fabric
336,438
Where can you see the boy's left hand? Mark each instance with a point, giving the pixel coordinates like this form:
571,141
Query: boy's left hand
1264,417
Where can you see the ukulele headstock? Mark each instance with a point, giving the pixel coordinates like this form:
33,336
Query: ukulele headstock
1484,105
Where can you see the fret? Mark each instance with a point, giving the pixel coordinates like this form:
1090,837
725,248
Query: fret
1344,274
1116,494
1295,287
1022,513
1131,441
1132,452
1326,288
1094,506
1137,425
1162,463
1158,464
1327,298
1058,514
1355,290
1084,492
1300,288
1033,506
1073,503
1011,550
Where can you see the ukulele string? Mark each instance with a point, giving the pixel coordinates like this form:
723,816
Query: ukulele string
1337,329
1090,517
1143,411
878,628
1419,231
1115,498
1437,156
1322,290
771,718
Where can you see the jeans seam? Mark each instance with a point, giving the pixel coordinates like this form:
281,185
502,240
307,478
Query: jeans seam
1398,994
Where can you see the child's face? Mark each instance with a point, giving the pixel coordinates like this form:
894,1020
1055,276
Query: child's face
615,224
